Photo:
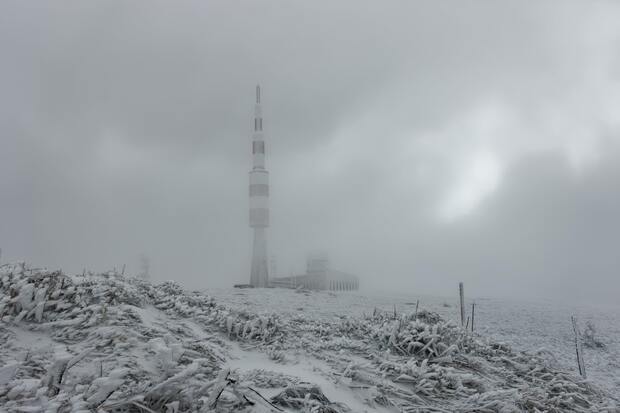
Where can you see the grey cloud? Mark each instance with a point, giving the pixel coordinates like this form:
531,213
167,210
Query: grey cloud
125,128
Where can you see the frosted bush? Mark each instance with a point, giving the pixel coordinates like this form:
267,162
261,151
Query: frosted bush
114,343
590,338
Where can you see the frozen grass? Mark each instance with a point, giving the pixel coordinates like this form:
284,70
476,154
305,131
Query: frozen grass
109,343
524,325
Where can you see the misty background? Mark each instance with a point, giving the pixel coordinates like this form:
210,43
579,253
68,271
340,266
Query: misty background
419,143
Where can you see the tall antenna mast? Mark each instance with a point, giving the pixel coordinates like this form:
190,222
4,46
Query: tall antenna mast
259,201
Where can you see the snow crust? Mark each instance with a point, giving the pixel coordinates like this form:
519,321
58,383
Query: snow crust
103,342
526,325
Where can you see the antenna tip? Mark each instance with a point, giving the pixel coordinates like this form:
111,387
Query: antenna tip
257,93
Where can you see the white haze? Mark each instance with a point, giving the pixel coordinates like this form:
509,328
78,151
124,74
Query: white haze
420,143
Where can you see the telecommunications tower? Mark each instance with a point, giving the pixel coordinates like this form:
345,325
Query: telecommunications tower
259,201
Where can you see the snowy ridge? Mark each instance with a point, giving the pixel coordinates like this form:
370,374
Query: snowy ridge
104,342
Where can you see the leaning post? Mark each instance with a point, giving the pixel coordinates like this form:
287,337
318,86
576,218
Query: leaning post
462,297
578,348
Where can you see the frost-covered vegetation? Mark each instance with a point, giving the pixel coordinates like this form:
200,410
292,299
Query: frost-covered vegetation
104,342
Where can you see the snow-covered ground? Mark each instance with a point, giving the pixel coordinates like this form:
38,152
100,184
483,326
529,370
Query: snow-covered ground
104,342
524,325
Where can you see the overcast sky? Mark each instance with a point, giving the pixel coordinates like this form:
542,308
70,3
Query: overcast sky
419,143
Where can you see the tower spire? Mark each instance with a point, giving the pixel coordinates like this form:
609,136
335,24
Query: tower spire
258,94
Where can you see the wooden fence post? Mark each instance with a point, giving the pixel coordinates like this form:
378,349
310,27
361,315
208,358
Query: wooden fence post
578,348
473,311
462,296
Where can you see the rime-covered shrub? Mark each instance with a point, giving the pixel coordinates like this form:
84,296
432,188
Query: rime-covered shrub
590,338
121,344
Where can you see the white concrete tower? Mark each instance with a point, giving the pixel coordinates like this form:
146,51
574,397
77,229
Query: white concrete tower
259,201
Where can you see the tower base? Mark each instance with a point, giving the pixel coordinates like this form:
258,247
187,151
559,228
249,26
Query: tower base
259,274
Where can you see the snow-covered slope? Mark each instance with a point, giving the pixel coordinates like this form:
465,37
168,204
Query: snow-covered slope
110,343
526,325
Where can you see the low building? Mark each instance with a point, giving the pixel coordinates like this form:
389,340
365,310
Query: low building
318,276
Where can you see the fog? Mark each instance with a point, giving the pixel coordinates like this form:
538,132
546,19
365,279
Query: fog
419,143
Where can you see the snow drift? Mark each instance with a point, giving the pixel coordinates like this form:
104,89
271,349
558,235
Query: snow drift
104,342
